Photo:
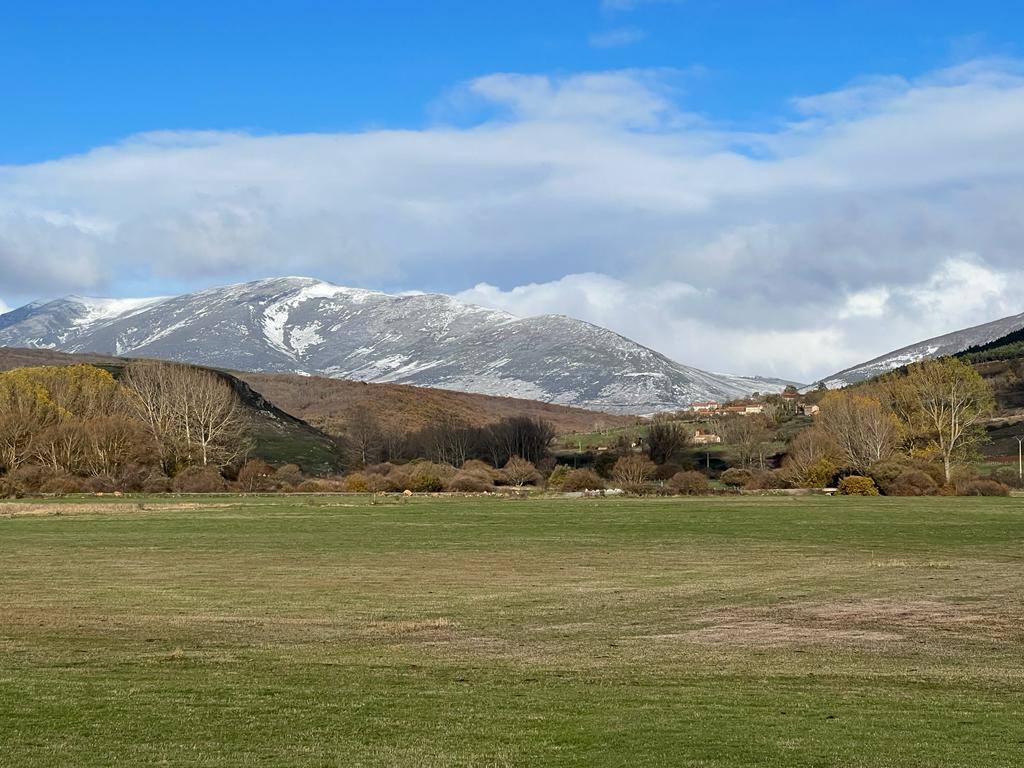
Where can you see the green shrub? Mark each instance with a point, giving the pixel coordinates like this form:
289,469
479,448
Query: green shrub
857,485
820,474
604,463
1008,476
557,477
886,473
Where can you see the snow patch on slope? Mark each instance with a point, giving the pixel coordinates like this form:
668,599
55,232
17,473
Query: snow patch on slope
98,310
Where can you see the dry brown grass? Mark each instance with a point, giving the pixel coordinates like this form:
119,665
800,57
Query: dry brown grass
49,509
413,626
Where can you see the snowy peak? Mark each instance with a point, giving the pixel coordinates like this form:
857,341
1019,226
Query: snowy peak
303,325
940,346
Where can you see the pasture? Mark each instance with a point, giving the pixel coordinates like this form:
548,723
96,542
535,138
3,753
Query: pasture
345,631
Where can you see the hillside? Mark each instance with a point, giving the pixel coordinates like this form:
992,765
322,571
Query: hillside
279,437
306,326
327,403
976,338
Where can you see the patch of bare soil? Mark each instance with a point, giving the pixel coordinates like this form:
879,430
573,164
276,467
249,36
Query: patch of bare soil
851,623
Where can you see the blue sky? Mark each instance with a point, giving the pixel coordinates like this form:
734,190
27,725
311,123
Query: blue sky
782,188
77,75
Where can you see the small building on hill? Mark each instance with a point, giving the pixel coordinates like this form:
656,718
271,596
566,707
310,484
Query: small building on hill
702,437
706,406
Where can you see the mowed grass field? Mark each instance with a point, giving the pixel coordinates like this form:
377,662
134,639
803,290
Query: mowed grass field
332,631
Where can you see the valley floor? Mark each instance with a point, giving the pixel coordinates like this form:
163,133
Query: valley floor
333,631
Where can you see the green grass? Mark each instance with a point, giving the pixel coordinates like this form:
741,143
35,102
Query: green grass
329,631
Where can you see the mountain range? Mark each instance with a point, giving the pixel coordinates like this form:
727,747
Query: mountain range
940,346
307,326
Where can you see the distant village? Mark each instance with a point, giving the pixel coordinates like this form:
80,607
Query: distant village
711,408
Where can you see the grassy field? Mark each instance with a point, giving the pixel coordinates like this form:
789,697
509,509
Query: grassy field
482,632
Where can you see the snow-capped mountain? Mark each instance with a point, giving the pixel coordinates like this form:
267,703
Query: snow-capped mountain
302,325
940,346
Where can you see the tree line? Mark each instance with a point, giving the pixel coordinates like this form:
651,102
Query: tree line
915,429
158,420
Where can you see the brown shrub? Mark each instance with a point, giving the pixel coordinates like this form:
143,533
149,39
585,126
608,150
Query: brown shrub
736,477
667,471
26,480
582,480
690,483
469,482
478,467
102,484
634,470
519,472
61,484
383,469
857,485
356,482
321,485
421,477
256,475
290,475
199,480
772,480
156,482
983,488
912,482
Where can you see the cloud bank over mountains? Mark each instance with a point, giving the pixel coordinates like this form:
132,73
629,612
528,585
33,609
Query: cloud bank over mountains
862,219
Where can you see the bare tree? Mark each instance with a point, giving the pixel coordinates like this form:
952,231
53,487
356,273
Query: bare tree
944,404
812,458
633,470
517,436
449,441
112,444
666,440
363,437
61,447
865,430
749,436
214,418
192,415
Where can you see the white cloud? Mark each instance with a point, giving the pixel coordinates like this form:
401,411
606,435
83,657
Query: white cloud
869,303
795,251
681,321
4,308
616,38
625,98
